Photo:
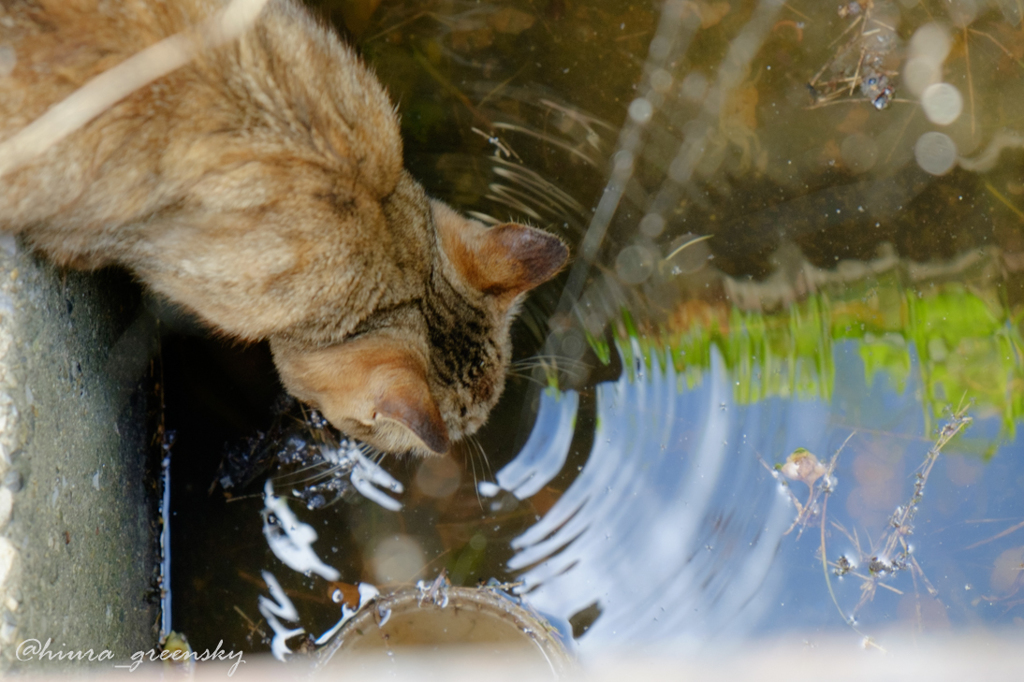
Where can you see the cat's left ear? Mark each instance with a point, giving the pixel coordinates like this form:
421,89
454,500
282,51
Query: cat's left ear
374,389
502,261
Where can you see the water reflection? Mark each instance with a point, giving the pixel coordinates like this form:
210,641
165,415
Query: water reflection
852,264
859,273
667,529
546,450
675,533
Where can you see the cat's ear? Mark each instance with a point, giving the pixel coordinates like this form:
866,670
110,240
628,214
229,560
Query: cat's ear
370,388
501,261
405,400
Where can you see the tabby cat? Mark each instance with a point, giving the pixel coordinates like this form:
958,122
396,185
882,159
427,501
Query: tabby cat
261,186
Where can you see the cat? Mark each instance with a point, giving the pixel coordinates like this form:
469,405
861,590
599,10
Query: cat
261,186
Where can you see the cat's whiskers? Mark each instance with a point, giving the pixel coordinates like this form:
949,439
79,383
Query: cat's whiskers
474,450
316,472
472,464
536,318
297,477
526,377
549,362
372,453
483,456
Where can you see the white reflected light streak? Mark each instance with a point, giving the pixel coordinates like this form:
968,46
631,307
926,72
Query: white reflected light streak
635,533
545,451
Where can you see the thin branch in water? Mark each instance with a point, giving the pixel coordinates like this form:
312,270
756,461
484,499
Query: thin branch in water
400,24
999,45
691,242
970,81
895,554
1006,202
795,11
997,536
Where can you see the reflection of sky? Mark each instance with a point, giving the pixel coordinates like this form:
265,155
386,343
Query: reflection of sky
675,530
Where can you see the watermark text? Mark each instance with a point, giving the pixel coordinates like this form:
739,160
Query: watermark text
33,649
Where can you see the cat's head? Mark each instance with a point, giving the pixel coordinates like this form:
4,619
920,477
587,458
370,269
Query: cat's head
426,373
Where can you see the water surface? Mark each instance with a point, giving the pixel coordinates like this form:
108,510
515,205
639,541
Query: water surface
793,227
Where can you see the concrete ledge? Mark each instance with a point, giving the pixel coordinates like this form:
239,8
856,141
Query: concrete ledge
77,511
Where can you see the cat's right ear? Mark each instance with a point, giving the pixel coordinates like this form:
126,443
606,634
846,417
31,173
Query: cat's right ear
502,261
370,388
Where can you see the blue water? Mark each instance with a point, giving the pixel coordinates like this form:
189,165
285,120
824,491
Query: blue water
676,530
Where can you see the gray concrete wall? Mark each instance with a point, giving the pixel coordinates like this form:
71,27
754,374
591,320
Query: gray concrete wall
78,549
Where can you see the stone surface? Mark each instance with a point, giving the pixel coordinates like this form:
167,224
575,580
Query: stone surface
78,526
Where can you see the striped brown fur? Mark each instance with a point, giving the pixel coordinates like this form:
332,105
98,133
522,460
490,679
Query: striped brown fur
261,186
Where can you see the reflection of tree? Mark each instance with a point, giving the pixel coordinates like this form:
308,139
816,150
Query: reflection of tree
951,316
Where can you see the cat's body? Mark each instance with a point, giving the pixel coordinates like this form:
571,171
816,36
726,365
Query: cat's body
261,186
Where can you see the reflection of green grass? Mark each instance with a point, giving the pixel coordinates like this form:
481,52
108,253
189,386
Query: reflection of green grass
966,341
967,346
